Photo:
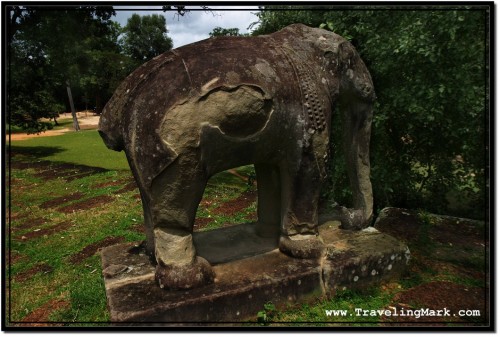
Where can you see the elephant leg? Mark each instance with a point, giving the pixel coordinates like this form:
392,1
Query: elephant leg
300,196
269,200
176,194
146,207
357,128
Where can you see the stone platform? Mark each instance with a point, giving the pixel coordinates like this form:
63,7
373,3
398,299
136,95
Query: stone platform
250,271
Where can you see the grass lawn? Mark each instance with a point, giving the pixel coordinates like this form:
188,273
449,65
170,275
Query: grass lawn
61,215
83,147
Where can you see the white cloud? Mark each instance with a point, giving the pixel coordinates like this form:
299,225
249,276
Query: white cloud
196,24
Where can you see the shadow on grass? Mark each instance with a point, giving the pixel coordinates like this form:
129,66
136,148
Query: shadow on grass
24,157
36,152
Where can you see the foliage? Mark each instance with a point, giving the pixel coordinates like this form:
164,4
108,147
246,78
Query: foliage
103,66
265,316
49,46
180,9
145,37
430,74
219,31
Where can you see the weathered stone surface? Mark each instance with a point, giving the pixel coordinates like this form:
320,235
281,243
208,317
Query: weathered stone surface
225,102
356,260
233,243
245,281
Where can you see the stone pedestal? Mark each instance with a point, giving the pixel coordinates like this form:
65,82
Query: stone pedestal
250,271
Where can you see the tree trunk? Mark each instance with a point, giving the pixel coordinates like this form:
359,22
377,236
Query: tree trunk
76,126
98,104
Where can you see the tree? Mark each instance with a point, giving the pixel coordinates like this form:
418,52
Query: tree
428,66
55,40
28,96
105,66
145,37
219,31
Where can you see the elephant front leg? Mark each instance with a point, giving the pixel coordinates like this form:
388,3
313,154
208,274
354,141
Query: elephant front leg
178,265
300,196
176,195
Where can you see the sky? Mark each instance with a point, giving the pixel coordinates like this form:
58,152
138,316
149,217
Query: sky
196,24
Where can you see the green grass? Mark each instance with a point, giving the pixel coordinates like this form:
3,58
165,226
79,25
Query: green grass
348,301
81,285
82,147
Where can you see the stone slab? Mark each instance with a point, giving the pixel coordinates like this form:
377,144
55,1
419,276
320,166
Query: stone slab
355,260
232,243
248,275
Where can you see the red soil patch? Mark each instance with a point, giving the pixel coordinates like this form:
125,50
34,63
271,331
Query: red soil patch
62,200
200,223
54,172
42,313
433,262
30,223
46,231
251,217
108,184
68,171
238,204
139,227
91,249
406,225
131,186
206,202
49,171
36,269
17,216
23,165
86,204
15,258
459,232
439,295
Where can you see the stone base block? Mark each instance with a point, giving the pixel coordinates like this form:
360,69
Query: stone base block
250,272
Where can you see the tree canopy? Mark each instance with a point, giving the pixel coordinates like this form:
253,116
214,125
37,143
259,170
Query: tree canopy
51,47
146,37
430,129
45,55
430,66
219,31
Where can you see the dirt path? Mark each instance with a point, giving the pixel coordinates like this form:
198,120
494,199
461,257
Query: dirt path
87,121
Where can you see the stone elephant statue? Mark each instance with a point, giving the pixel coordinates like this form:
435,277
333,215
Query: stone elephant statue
230,101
